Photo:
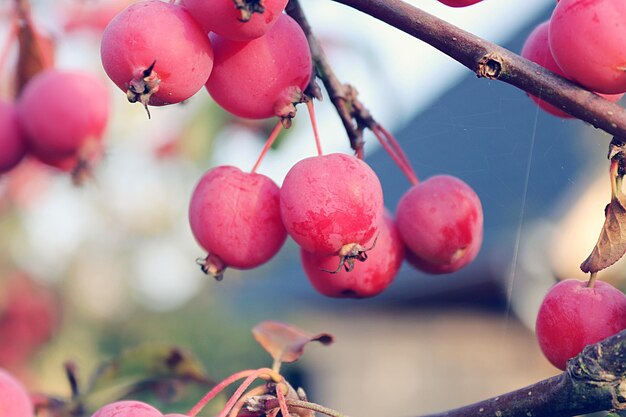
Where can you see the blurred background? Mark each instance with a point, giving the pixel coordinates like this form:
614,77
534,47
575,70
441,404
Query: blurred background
88,271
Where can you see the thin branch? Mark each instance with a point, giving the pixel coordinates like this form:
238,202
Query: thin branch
354,116
491,61
594,381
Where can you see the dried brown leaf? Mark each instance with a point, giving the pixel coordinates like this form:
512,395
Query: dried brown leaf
285,343
611,244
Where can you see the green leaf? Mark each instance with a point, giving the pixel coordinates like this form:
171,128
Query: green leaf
155,369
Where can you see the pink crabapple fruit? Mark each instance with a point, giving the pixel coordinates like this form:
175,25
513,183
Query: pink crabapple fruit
235,217
14,399
29,317
331,204
12,142
587,42
63,114
127,408
263,77
367,279
156,52
537,49
459,3
222,18
440,221
573,315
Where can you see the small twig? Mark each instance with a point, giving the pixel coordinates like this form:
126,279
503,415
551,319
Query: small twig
71,373
273,403
72,378
315,407
254,392
354,116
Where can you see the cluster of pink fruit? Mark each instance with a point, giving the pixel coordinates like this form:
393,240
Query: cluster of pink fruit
55,120
256,64
332,206
582,42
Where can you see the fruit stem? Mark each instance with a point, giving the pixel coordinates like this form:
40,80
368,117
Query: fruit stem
268,144
311,109
398,150
277,363
217,389
592,279
392,147
242,388
282,401
248,373
613,173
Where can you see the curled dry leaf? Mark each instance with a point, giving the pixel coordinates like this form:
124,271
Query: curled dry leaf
611,244
285,343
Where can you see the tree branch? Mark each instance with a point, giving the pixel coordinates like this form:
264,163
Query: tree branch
595,380
494,62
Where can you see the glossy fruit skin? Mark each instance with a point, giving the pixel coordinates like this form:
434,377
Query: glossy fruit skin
459,3
12,142
368,278
93,16
329,201
14,399
440,221
262,77
235,216
537,49
60,111
128,408
136,38
587,42
222,18
573,316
